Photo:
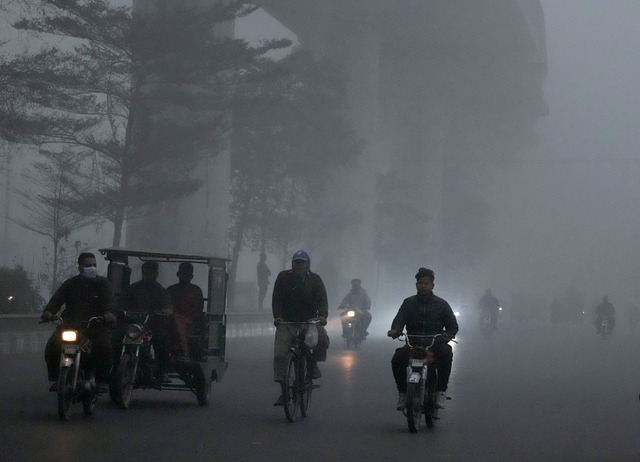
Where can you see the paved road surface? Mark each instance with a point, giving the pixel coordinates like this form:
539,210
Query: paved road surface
529,393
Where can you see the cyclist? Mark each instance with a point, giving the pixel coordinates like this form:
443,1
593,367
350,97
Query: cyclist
298,295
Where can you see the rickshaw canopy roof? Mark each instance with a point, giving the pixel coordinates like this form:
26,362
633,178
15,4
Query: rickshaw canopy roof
118,253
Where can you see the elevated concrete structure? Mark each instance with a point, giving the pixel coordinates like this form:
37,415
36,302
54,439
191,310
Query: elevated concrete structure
438,89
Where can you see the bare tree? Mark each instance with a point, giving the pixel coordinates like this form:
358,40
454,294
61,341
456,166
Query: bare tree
47,209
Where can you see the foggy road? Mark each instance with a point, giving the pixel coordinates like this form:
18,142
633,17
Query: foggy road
529,393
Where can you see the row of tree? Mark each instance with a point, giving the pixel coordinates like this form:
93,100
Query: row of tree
119,104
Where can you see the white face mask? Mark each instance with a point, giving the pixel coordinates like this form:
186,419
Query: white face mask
90,272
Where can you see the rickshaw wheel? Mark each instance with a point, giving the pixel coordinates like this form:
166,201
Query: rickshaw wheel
202,386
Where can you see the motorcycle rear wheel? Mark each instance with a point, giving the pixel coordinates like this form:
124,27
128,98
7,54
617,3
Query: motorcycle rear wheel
291,395
123,381
431,410
414,406
89,400
65,393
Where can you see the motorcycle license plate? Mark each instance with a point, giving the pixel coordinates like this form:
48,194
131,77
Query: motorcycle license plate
417,362
128,341
70,350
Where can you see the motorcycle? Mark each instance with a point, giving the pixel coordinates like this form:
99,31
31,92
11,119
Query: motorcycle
605,326
486,324
76,379
421,394
351,326
137,366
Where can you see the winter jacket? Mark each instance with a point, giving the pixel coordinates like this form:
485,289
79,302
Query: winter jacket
298,298
425,315
83,299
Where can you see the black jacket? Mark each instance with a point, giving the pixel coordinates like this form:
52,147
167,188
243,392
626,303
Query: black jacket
83,299
298,299
427,315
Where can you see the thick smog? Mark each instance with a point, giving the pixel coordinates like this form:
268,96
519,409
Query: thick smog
342,230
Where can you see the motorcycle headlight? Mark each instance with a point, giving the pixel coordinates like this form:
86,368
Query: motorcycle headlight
69,335
351,313
133,331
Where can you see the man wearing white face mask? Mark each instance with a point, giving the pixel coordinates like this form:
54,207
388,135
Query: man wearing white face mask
84,296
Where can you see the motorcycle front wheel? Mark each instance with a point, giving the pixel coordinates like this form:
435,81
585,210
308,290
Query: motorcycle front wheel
291,395
414,406
65,393
123,381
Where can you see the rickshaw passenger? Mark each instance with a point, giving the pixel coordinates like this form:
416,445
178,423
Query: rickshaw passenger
188,304
148,295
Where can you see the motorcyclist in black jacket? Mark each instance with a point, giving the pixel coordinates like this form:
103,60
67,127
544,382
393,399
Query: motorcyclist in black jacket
84,296
424,314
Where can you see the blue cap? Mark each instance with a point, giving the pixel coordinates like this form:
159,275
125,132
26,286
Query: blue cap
301,255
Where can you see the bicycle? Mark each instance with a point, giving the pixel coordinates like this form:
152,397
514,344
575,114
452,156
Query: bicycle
298,383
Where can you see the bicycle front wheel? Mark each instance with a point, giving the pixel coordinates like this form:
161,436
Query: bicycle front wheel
414,406
305,385
291,398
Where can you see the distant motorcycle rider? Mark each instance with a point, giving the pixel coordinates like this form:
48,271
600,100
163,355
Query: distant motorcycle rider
84,296
489,305
298,295
359,299
605,310
424,314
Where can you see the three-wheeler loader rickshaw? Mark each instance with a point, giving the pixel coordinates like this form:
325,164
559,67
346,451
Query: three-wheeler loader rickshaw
134,362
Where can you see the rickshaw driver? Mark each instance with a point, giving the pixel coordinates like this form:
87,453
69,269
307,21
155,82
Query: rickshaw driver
149,296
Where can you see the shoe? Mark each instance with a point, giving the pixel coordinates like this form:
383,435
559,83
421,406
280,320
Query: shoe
441,397
54,386
279,401
163,378
183,359
315,371
402,402
102,387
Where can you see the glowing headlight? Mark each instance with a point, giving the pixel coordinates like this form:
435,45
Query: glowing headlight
351,313
133,331
500,309
69,335
456,313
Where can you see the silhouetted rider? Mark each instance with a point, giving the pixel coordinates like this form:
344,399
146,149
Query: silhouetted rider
490,305
357,298
605,310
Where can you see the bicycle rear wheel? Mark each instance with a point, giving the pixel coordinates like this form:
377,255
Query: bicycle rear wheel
291,398
305,385
414,406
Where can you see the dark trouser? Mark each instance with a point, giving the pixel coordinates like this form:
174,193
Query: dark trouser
610,319
444,359
262,292
101,352
493,318
163,335
282,343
